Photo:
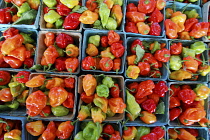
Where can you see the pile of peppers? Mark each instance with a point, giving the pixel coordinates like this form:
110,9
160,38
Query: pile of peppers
104,52
10,129
144,100
184,24
50,95
188,62
184,133
101,98
17,49
103,14
62,14
145,17
19,12
96,131
186,104
143,133
145,59
50,130
61,53
13,91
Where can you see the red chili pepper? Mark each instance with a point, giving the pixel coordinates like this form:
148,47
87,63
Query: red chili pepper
117,49
171,29
28,62
160,88
50,132
198,56
4,77
149,58
134,45
155,74
189,23
49,39
144,68
10,123
187,95
45,111
106,64
22,76
191,64
115,91
174,89
69,102
10,32
156,16
131,7
155,29
5,16
174,102
87,99
88,63
186,87
13,62
133,87
176,48
46,9
91,5
60,64
104,41
19,53
72,22
154,97
145,88
108,129
50,55
62,9
72,64
195,104
149,105
65,130
116,105
62,40
192,131
199,29
113,37
136,16
162,55
131,27
174,113
159,132
115,136
150,136
69,82
117,64
146,6
6,95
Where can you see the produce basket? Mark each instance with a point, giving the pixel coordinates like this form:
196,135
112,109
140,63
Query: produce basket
205,11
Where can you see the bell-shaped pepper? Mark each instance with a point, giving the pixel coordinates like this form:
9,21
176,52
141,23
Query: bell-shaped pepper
204,70
190,64
89,84
143,28
117,14
141,131
16,88
84,112
202,91
111,24
51,17
107,53
136,17
104,13
180,75
145,88
23,8
50,3
50,131
116,105
51,54
72,22
133,71
129,133
57,96
92,131
14,134
108,81
131,27
35,128
70,3
184,35
155,29
109,112
34,4
189,23
95,39
179,19
192,14
199,29
19,53
64,130
188,52
88,17
55,82
97,115
101,102
193,114
79,136
102,90
72,50
92,50
36,81
5,95
156,16
171,29
198,47
60,111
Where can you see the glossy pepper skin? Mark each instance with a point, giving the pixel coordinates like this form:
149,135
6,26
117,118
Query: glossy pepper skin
116,105
60,64
156,16
117,49
174,113
160,89
176,48
4,77
101,102
155,29
65,130
72,22
50,131
183,134
131,27
57,96
171,29
97,115
62,9
146,6
199,29
133,71
187,95
162,55
106,64
84,112
5,95
189,23
130,133
72,64
69,102
86,99
92,131
145,88
10,32
63,40
35,128
88,63
149,105
89,84
36,81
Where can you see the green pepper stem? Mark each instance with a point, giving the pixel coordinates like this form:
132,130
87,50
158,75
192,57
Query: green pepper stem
167,68
1,79
107,134
7,127
185,7
177,131
72,123
22,76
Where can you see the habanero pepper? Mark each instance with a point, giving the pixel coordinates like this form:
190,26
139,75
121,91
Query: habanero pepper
50,131
115,91
60,64
159,132
87,99
115,136
162,55
131,27
19,53
187,95
57,96
176,48
155,29
192,131
134,45
72,22
190,64
88,63
54,82
104,41
129,133
143,28
147,117
113,37
160,88
69,82
145,88
4,77
69,102
171,29
65,130
89,84
144,68
32,128
72,64
199,29
49,39
45,111
13,62
131,7
174,102
108,129
174,113
117,50
150,136
149,105
192,115
146,6
10,32
106,64
156,16
133,87
36,81
133,71
154,97
189,23
63,40
91,5
22,76
28,62
184,134
149,58
5,95
117,64
50,54
62,9
136,17
116,105
92,50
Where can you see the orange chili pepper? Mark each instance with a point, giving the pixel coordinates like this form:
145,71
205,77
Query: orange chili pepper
36,81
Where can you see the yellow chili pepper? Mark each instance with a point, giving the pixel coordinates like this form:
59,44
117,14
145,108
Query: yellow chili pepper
179,19
133,71
88,17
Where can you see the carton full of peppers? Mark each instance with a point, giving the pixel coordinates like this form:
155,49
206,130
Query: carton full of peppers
188,61
62,15
52,97
18,47
184,21
103,52
20,13
188,104
58,52
145,18
101,98
88,130
12,128
103,14
146,102
147,58
13,92
191,133
206,17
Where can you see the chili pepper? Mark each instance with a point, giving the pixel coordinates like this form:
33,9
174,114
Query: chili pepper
88,63
176,48
172,133
6,16
132,106
204,122
179,19
204,70
102,90
136,16
149,105
145,88
91,5
72,64
175,62
198,47
115,136
192,131
199,29
146,6
113,37
92,131
97,115
108,129
190,64
141,131
117,64
49,39
186,87
28,62
94,39
148,57
156,16
131,59
45,111
63,40
131,7
60,64
92,50
16,88
72,50
84,112
59,23
144,68
116,105
60,111
65,130
35,131
34,4
50,54
4,77
5,95
86,99
117,49
155,97
183,134
130,133
117,14
162,55
23,8
12,105
150,136
160,4
174,102
106,64
50,3
101,102
171,29
189,23
188,52
69,3
174,113
155,29
104,41
22,76
51,17
115,91
159,132
57,96
160,88
50,131
104,13
155,74
79,136
88,17
18,53
55,82
147,117
35,103
107,53
10,32
202,91
143,28
191,14
62,9
69,82
134,45
89,84
36,81
133,87
131,27
13,134
72,22
133,71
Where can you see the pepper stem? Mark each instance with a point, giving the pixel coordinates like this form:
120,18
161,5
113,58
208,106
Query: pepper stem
107,134
72,123
1,79
7,127
178,131
167,68
185,7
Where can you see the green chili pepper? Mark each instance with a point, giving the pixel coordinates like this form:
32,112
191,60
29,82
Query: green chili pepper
91,132
79,136
84,112
13,105
102,91
108,81
50,3
16,88
22,97
111,24
83,125
192,1
188,52
97,24
119,2
23,8
60,51
109,112
51,16
27,17
27,38
101,103
59,23
95,39
160,108
156,47
192,13
132,106
104,13
175,62
198,47
60,111
141,131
